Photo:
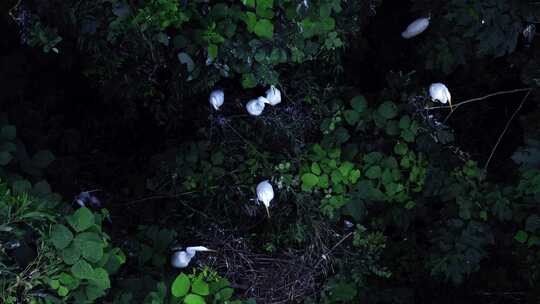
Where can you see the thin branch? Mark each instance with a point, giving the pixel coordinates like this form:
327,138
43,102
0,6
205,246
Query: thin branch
455,106
506,128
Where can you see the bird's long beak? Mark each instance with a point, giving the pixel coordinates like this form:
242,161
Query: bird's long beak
267,211
210,250
451,109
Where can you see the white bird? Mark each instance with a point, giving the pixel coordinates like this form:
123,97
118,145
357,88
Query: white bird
439,92
265,194
181,258
255,107
416,27
273,95
216,99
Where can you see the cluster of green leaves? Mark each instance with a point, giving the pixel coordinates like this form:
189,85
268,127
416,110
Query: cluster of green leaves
74,257
461,31
21,170
86,255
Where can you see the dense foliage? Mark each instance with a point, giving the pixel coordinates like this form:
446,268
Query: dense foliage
382,195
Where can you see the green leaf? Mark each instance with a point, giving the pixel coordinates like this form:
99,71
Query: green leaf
61,236
346,168
342,135
405,122
180,286
200,287
71,254
5,158
8,132
401,148
248,81
354,176
21,186
315,169
63,291
91,246
373,172
194,299
212,51
251,20
82,219
407,135
264,29
249,3
54,284
69,281
323,181
521,236
392,128
351,117
82,270
42,159
410,205
309,180
359,103
388,110
100,278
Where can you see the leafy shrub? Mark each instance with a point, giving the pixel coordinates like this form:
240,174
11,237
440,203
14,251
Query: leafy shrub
55,259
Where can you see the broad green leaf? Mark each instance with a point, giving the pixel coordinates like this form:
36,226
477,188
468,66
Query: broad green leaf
401,148
392,128
100,278
21,186
387,110
91,246
63,291
8,132
212,51
323,181
315,169
251,20
42,159
194,299
61,236
354,176
346,168
82,219
5,158
407,135
359,103
180,286
264,29
521,236
373,172
200,287
405,122
82,270
309,180
351,117
248,81
71,254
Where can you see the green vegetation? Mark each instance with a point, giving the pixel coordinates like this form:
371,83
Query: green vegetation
382,195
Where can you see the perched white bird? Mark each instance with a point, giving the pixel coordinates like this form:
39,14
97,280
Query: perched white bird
265,194
273,95
416,27
181,258
255,107
216,99
439,92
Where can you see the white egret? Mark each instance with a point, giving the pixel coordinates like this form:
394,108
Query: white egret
439,92
265,194
216,99
416,27
273,95
181,258
255,107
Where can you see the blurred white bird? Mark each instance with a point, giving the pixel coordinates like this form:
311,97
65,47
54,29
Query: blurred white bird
273,95
416,27
181,258
255,107
265,194
439,92
216,99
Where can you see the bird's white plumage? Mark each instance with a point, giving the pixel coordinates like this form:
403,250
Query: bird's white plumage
439,92
415,28
217,97
265,194
181,259
273,96
255,107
